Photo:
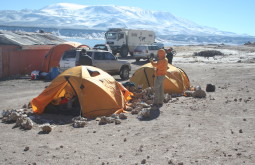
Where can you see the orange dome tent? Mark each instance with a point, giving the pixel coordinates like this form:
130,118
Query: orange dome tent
54,55
99,95
176,81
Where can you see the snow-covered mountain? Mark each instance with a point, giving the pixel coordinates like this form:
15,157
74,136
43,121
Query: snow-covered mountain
66,15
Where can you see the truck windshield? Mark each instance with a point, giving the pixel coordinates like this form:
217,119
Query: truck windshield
111,35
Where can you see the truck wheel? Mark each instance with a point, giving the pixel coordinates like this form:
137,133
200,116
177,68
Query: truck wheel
137,59
124,51
124,73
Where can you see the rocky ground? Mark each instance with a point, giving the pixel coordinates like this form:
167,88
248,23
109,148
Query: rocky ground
216,130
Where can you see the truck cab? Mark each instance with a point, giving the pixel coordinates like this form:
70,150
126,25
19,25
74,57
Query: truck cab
124,41
117,40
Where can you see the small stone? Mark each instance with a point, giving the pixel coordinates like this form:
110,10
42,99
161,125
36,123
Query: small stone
103,121
125,139
134,111
143,161
240,131
170,162
115,116
79,124
117,121
46,128
180,163
122,116
28,125
20,121
26,148
144,114
244,119
199,94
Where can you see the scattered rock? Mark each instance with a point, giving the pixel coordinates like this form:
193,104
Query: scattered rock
26,148
167,98
21,120
122,116
80,118
210,88
129,108
144,114
170,162
46,128
79,124
199,94
240,131
103,120
143,161
117,121
135,111
24,106
28,125
115,116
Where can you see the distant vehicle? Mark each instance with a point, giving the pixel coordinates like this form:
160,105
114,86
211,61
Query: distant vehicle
145,52
103,47
100,58
124,41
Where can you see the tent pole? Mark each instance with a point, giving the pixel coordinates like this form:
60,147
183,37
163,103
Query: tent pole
67,79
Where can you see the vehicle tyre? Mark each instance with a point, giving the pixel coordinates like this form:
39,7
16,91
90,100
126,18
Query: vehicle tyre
137,59
124,51
114,53
124,73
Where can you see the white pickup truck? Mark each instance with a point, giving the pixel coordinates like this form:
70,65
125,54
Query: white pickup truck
100,59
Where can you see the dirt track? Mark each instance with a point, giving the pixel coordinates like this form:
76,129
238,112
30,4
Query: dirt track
216,130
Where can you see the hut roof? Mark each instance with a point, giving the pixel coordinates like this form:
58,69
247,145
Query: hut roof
22,38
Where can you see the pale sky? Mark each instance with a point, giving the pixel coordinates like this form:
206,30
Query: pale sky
236,16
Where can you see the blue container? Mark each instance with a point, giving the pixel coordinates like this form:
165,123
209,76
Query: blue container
54,72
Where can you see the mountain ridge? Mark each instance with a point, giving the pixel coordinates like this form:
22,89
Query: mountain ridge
68,15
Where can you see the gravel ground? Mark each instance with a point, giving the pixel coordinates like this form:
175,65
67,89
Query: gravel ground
216,130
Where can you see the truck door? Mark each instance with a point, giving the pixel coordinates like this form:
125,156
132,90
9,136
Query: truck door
122,39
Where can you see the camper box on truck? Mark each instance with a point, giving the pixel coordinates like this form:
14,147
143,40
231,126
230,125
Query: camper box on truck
124,41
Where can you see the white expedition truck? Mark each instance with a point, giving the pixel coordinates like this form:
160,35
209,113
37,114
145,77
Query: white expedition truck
124,41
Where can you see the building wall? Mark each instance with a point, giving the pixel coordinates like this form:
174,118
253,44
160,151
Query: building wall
15,60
